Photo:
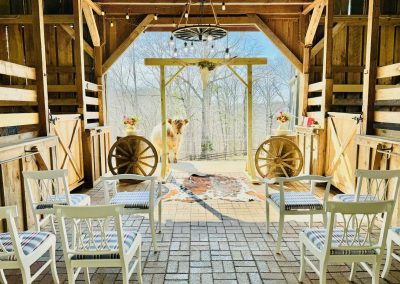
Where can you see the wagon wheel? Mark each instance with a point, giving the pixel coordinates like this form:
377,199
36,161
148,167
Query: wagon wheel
278,157
133,155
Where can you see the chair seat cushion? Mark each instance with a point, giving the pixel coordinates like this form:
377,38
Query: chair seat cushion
140,199
318,238
76,199
351,197
30,241
298,200
98,244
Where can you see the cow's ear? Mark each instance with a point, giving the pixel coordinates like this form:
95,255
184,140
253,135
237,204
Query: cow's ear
169,120
186,121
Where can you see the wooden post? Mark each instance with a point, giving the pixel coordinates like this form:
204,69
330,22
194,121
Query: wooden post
164,159
306,81
79,60
41,76
98,70
250,161
327,74
371,62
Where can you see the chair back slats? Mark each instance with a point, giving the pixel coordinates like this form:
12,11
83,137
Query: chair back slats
355,227
377,184
52,186
10,213
90,229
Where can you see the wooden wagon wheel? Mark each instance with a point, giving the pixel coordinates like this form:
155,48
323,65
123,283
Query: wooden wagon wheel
133,155
278,156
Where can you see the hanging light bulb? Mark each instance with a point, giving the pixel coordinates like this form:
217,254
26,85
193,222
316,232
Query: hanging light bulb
155,17
185,49
186,15
171,41
209,38
111,24
71,26
103,13
175,52
212,49
227,53
174,24
223,6
127,16
191,46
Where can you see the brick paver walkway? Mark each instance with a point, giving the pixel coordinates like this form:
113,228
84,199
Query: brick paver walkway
214,242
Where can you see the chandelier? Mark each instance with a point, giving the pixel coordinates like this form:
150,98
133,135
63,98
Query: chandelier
200,31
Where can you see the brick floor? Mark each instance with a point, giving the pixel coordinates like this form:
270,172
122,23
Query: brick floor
214,241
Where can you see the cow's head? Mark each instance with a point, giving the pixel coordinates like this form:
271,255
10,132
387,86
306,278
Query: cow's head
178,125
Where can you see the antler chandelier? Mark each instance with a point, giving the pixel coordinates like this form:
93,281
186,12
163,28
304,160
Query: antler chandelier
200,31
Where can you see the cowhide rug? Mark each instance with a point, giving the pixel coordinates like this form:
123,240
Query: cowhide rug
204,187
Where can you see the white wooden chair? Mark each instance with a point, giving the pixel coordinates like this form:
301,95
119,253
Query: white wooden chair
19,250
52,188
295,203
137,202
392,239
352,240
376,184
92,244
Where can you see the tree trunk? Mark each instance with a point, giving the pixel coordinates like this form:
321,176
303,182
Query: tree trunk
205,132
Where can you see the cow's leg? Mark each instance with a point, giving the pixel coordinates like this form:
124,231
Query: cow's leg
175,157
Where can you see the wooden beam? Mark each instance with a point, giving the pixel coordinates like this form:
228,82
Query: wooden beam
88,49
91,23
251,171
17,70
310,7
163,103
92,87
314,22
388,71
94,6
98,72
91,100
215,3
317,101
370,73
347,88
62,88
194,61
18,119
327,72
320,45
316,87
127,42
27,19
387,94
277,42
386,116
17,94
79,60
41,73
92,115
165,21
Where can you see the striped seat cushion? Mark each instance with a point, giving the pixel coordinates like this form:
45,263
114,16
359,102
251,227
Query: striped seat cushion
351,197
30,241
76,199
138,199
298,200
318,238
99,244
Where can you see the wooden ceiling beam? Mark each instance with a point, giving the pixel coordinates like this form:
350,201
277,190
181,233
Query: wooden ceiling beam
215,3
86,47
96,8
127,42
111,10
310,7
193,61
277,42
314,22
320,45
91,23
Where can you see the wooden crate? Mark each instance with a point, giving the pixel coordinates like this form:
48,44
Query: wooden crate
309,142
30,155
96,146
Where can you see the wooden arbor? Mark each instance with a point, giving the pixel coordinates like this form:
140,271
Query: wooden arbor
183,63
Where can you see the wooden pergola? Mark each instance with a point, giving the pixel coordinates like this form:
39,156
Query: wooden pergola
182,63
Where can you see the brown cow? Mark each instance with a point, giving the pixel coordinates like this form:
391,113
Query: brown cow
174,136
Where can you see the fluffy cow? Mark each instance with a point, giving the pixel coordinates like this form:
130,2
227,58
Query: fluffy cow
174,136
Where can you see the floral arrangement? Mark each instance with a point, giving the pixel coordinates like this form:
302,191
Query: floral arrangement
130,120
207,64
283,117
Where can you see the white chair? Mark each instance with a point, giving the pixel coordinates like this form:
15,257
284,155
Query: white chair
392,239
136,202
295,203
19,250
47,188
352,240
91,244
376,185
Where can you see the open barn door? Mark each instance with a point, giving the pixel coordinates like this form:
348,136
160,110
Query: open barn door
341,150
68,130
